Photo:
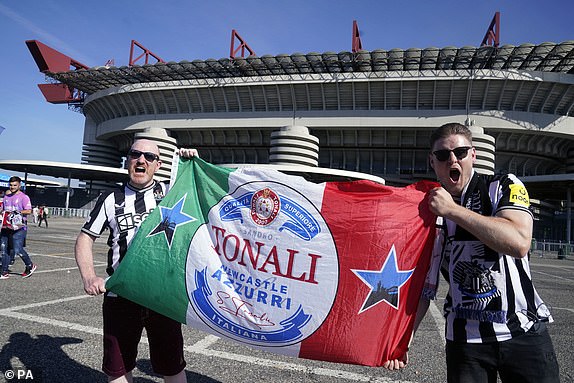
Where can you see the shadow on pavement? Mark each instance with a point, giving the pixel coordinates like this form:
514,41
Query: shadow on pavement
144,365
44,357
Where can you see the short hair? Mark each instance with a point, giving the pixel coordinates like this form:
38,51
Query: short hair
446,130
156,146
15,179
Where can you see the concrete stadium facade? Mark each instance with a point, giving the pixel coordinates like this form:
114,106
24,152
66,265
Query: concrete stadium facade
367,120
370,111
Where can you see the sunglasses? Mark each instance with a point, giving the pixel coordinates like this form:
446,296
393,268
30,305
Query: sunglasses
444,154
149,156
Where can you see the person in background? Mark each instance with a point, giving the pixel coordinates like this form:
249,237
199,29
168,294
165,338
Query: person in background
43,215
495,319
16,207
10,248
124,321
35,211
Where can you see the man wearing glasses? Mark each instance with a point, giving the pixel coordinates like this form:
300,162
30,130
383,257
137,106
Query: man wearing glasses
122,211
495,319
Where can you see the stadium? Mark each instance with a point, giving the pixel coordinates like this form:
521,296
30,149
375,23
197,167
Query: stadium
346,115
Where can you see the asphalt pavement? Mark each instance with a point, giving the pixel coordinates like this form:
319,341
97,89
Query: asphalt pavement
51,331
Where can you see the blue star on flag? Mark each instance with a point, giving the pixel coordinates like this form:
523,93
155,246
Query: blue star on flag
385,284
171,218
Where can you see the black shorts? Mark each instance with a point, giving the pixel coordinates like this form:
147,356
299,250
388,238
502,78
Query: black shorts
124,322
528,358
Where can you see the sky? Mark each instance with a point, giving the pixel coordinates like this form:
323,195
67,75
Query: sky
97,31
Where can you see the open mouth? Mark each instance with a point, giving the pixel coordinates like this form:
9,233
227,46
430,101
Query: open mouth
454,175
139,169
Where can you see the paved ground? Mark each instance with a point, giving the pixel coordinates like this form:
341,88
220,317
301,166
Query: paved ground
51,331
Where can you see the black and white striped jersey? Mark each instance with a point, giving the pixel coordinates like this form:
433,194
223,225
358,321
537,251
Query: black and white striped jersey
491,297
122,211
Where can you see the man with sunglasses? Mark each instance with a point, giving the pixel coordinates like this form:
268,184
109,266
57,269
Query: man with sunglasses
495,319
122,211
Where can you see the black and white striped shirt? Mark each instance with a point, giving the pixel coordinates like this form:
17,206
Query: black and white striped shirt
122,211
491,297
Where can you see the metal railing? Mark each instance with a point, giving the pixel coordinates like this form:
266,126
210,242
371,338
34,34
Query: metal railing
69,212
553,248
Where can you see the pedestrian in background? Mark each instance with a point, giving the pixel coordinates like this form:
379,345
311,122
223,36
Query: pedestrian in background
35,211
43,214
17,206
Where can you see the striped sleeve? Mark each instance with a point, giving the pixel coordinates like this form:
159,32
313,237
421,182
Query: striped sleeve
512,194
97,221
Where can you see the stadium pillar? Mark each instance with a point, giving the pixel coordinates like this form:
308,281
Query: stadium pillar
68,190
294,145
569,169
485,149
569,215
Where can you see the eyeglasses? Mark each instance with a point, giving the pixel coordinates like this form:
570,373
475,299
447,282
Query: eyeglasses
149,156
444,154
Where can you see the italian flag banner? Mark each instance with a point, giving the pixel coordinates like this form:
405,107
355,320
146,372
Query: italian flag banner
329,271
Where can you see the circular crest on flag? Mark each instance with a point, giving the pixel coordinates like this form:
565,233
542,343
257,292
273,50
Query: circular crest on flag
265,206
256,268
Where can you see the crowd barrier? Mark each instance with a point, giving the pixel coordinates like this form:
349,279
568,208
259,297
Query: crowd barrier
560,249
69,212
